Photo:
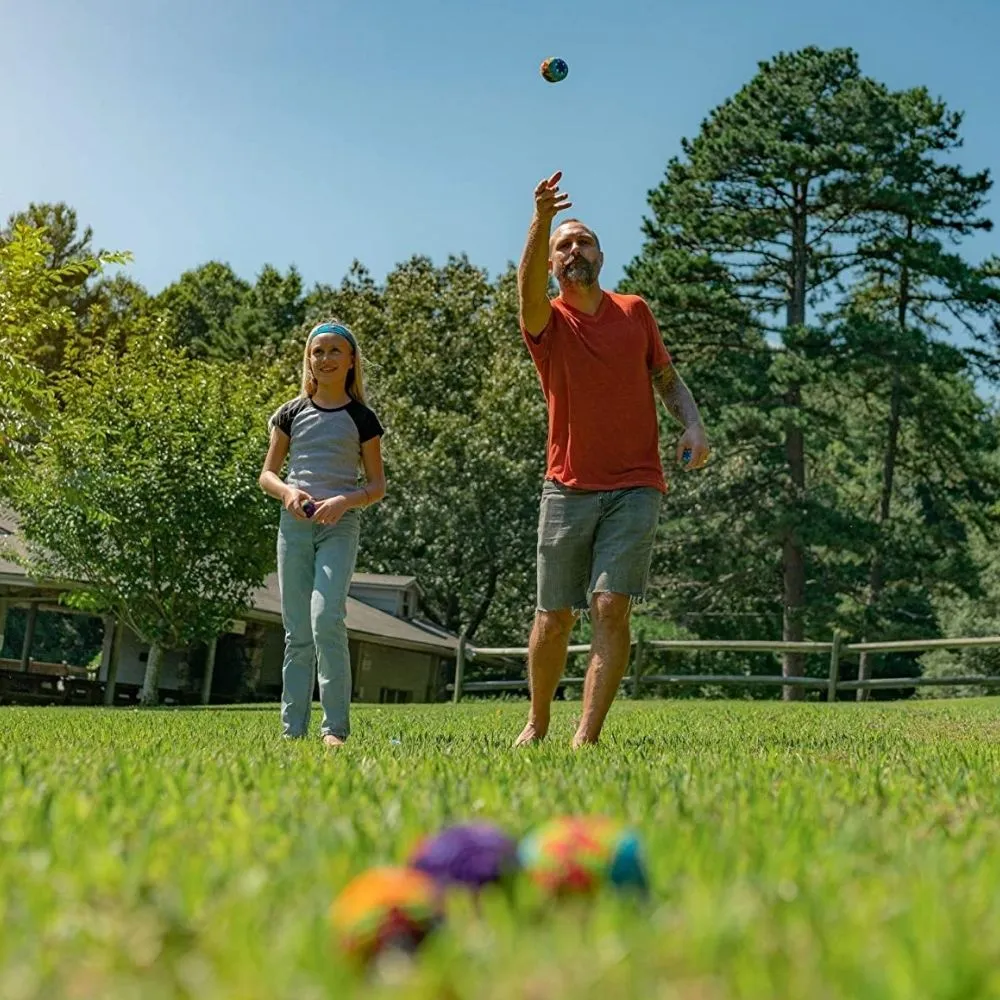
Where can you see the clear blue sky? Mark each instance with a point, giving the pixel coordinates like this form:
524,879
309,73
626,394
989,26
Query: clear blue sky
318,131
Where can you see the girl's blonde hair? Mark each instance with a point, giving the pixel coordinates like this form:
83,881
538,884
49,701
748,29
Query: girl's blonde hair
355,378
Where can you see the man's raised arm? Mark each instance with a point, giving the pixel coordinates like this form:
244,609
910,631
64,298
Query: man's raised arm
533,271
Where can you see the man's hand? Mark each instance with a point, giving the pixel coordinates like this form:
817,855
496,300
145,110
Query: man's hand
331,511
293,500
695,441
549,200
681,406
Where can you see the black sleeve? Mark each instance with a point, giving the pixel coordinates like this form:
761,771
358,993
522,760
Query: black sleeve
282,417
366,422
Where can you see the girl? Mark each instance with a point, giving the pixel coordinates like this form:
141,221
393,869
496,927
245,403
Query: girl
327,432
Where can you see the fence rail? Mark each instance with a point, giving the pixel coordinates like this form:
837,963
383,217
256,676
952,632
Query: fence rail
832,683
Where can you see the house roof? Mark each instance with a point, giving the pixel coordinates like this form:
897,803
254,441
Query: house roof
387,580
362,620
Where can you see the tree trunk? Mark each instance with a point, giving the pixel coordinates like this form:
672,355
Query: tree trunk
888,475
793,556
151,682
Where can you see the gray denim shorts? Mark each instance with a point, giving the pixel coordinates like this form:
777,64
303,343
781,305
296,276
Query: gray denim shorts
593,541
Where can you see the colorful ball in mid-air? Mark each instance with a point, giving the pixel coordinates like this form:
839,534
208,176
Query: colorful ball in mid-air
554,69
580,855
471,855
383,909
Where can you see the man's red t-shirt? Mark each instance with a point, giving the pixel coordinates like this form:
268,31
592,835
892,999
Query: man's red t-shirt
595,375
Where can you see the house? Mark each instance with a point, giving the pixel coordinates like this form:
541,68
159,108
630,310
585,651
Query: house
396,656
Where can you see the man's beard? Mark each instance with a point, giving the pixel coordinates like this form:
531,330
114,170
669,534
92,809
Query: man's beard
579,272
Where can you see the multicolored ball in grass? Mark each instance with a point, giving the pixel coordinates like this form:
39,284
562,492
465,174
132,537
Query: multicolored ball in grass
582,855
554,69
470,855
385,909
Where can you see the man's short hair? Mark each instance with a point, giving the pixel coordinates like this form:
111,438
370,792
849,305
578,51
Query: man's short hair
579,222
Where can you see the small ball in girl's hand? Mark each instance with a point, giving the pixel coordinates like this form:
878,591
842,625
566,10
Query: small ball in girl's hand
554,69
580,855
385,909
471,855
309,508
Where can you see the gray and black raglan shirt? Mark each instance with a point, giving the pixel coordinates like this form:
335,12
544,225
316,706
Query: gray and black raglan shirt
325,451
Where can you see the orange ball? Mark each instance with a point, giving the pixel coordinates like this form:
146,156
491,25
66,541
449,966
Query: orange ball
385,908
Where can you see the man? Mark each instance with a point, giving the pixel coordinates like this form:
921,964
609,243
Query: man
599,357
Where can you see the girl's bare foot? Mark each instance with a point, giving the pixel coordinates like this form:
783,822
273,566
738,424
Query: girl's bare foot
333,741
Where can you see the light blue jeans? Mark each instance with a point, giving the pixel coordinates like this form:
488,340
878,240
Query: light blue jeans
315,564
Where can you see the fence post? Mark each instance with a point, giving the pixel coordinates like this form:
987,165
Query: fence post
114,654
638,662
831,690
29,636
206,681
456,696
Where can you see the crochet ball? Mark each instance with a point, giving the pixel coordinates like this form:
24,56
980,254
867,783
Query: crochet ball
472,855
554,69
579,855
385,908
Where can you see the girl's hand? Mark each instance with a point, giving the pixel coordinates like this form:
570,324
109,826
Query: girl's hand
330,511
293,501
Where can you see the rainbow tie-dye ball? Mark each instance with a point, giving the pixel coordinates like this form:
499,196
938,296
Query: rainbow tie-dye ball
581,855
383,909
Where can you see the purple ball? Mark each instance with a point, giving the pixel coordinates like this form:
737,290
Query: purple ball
472,855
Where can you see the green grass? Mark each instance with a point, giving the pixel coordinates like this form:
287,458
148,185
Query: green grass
801,851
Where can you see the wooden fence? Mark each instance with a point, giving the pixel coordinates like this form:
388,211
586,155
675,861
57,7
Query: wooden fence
836,649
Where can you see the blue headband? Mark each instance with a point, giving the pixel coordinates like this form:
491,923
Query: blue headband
340,331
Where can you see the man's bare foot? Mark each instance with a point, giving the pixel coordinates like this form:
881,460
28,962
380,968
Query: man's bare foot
583,741
529,737
333,741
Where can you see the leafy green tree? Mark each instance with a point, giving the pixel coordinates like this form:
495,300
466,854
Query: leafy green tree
897,337
199,306
73,284
217,315
271,310
32,314
145,491
768,211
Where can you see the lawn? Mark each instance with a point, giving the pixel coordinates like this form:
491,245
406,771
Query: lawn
802,851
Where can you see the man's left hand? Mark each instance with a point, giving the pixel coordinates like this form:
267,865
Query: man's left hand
694,440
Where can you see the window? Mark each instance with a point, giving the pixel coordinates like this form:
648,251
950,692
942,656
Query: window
394,696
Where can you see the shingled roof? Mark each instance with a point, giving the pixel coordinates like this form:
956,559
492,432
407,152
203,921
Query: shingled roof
363,621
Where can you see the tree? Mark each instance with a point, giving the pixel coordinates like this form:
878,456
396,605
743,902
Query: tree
217,315
897,320
198,307
769,203
73,269
31,314
145,492
270,311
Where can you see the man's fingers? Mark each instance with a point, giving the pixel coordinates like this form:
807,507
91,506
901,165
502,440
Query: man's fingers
554,179
555,202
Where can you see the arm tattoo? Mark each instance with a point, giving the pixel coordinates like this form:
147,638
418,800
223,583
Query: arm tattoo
676,396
